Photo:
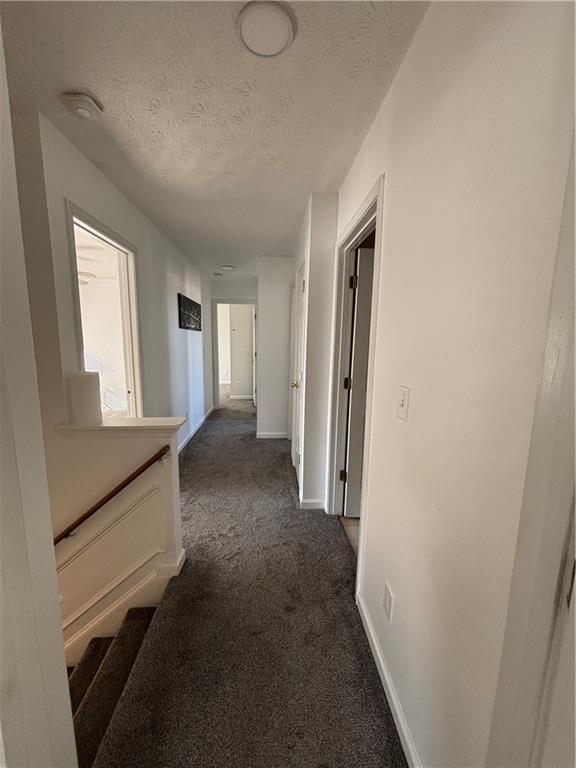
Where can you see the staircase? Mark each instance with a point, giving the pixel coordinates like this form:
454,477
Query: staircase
97,682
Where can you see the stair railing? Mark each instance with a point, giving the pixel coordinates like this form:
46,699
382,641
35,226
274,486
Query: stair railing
70,530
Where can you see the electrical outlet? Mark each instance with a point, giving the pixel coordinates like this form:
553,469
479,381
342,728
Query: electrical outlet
388,601
403,401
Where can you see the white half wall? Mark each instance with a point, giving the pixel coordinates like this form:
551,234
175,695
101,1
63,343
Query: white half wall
223,316
140,526
241,340
474,140
275,276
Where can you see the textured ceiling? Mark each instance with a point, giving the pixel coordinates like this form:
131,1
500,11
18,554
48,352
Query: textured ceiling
217,146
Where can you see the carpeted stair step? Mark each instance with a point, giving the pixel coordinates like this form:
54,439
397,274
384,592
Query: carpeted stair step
99,702
85,671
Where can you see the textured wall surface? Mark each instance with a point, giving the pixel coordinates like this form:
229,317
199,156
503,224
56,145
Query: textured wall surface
219,147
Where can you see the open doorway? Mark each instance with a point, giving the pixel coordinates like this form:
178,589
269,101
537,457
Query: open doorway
108,319
354,320
235,354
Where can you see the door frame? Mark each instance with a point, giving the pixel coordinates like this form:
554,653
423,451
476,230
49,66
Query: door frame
215,365
298,371
535,595
368,217
128,288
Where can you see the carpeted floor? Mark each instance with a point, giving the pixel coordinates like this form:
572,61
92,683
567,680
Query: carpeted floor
224,395
256,657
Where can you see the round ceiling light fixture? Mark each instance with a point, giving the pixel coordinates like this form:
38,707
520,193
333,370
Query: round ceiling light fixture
266,28
82,105
227,268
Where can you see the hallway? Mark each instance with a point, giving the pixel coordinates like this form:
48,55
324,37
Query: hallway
256,657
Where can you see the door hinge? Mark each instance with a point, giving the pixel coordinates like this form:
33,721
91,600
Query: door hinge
343,475
347,383
303,286
298,459
353,282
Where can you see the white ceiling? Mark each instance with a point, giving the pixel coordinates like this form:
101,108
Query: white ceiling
217,146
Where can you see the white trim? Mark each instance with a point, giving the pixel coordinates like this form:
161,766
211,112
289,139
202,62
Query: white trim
400,720
241,397
157,579
351,235
271,435
168,424
186,440
120,606
73,549
172,569
130,314
215,367
313,504
110,587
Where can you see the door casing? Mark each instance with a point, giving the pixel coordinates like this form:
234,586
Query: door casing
368,217
129,290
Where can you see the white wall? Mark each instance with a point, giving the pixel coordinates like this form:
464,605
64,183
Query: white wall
35,716
275,276
473,139
241,341
162,271
223,311
316,249
176,364
239,288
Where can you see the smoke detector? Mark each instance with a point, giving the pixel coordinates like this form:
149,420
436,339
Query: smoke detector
82,105
266,28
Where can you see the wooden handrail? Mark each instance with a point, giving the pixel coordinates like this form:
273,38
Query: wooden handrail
114,492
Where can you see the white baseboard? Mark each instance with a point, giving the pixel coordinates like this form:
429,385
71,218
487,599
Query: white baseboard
172,569
271,435
241,397
194,430
146,592
399,718
312,504
145,589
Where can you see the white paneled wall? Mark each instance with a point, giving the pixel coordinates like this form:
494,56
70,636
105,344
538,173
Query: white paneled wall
125,554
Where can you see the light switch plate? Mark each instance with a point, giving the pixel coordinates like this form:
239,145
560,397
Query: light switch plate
403,402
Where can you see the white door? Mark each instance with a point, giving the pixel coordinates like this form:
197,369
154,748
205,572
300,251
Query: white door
296,384
357,380
254,354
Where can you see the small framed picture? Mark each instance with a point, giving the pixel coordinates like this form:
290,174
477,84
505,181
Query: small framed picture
189,314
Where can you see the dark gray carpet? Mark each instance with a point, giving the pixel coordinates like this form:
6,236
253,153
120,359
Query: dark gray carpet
256,657
97,707
86,669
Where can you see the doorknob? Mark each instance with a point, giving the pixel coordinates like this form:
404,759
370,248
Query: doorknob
294,385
